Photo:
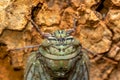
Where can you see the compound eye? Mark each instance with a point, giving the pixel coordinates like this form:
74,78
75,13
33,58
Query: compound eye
52,39
69,39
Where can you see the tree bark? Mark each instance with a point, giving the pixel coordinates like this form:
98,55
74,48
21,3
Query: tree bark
98,31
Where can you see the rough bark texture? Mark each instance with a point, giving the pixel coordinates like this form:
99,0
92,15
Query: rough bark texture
98,30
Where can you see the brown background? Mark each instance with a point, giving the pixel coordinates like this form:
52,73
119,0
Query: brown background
98,30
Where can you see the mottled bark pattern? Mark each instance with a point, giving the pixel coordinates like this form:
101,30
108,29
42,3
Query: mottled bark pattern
98,31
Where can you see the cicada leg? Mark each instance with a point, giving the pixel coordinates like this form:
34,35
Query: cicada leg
35,70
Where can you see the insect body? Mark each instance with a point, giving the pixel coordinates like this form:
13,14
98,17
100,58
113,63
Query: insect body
60,57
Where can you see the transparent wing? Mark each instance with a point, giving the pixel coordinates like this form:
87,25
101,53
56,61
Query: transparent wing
30,69
81,69
34,69
85,67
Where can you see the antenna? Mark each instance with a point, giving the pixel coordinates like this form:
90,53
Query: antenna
46,35
26,47
74,26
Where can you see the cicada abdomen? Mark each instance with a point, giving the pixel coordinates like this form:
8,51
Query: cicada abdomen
60,57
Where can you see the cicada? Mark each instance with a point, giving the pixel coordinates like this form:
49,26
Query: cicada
59,57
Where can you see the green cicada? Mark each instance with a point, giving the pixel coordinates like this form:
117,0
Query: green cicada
59,57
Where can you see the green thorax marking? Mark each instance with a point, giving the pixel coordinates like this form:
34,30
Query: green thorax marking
60,34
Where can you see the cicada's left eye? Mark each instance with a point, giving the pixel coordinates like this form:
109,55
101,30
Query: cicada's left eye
53,40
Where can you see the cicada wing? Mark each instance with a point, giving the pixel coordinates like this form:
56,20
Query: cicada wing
85,66
34,69
30,69
81,69
85,72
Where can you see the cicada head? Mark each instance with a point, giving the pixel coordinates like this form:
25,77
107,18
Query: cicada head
60,34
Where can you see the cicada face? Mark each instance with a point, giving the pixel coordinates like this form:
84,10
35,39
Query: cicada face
59,56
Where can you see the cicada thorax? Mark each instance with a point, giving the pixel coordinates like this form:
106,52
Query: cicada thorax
60,53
